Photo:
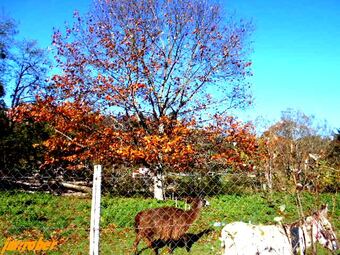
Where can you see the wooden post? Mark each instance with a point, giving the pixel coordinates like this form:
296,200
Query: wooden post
95,210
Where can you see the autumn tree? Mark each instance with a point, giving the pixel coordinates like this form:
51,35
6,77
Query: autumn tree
333,154
139,78
291,146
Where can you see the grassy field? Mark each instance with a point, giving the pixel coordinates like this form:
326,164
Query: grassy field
31,216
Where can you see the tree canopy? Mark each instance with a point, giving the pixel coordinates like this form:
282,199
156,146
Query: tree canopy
155,58
140,77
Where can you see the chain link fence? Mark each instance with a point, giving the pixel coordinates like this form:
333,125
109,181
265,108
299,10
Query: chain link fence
54,205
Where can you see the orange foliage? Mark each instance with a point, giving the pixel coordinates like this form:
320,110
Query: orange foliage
81,135
235,143
125,96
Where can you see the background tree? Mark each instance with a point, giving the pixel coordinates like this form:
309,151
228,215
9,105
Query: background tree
7,33
29,67
23,69
333,156
139,77
23,65
293,147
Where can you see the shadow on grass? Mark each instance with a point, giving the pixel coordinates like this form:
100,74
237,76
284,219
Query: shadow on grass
186,241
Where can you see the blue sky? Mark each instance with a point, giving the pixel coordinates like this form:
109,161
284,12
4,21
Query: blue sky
296,59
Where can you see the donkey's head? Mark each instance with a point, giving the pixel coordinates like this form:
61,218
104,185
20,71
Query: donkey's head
321,229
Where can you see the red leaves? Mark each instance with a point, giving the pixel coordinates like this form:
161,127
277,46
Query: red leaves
247,64
171,146
234,143
80,134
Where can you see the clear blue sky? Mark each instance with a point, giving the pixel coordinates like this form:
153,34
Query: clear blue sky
296,59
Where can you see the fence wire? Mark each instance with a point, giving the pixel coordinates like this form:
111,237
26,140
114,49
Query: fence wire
53,206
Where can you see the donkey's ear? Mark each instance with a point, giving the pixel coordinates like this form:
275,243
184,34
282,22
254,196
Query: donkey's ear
188,199
324,209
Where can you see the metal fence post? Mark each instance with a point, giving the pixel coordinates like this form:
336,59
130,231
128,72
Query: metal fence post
95,211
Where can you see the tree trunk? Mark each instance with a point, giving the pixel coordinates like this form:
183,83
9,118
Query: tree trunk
158,185
76,187
269,176
268,173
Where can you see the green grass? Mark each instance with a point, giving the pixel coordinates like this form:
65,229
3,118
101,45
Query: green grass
29,216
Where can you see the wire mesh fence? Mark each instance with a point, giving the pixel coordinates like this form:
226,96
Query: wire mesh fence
53,206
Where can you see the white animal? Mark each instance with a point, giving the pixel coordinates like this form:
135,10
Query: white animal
239,238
